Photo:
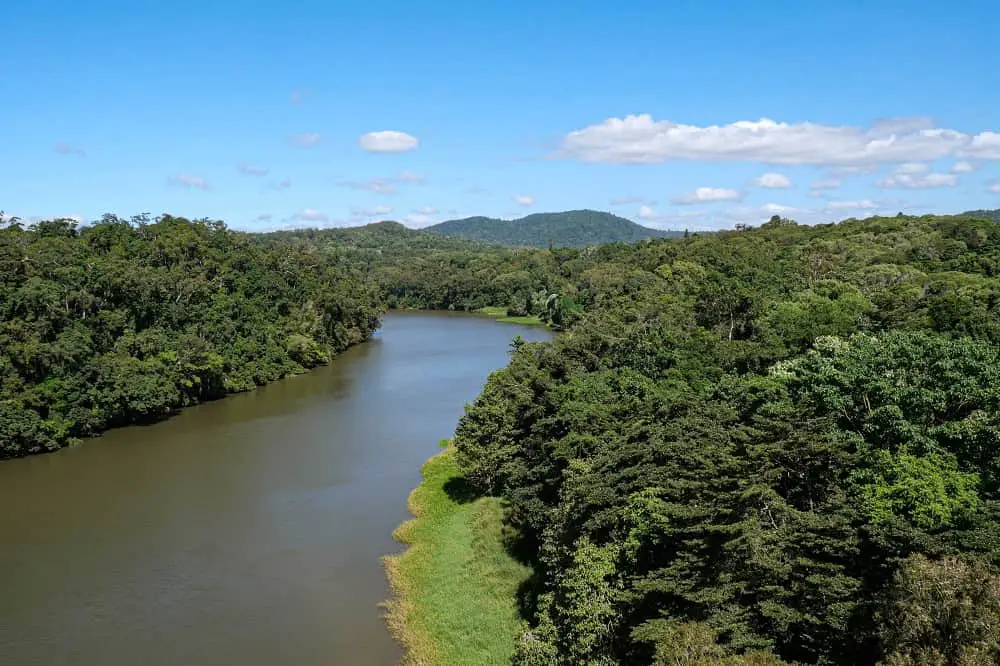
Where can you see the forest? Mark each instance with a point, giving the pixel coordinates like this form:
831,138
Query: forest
124,321
767,446
572,228
771,446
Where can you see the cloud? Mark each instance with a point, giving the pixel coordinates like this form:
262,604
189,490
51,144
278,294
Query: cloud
305,140
773,181
706,195
523,199
361,214
778,209
263,217
385,185
639,139
248,170
310,215
863,204
962,167
984,146
280,184
64,148
427,210
418,220
410,177
646,213
994,188
918,181
911,168
630,199
476,190
820,186
387,141
377,185
188,181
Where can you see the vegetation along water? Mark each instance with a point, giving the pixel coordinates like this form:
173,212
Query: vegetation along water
770,445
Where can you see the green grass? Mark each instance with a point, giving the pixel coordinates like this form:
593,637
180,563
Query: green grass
455,586
500,314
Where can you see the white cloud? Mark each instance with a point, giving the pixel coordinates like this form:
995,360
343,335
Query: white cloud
962,167
387,141
862,204
381,210
310,215
188,181
306,139
708,194
774,181
418,220
820,186
646,213
524,199
64,148
639,139
280,184
777,209
386,185
377,185
919,182
994,188
984,146
410,177
248,170
427,210
911,168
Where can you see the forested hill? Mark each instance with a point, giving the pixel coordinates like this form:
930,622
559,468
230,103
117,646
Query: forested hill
574,228
989,214
127,320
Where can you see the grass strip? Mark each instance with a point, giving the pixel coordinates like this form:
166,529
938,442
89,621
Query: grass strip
455,587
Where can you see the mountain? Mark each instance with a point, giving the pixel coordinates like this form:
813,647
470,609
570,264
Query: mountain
574,228
993,214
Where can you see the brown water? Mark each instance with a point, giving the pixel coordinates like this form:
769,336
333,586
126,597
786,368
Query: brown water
244,531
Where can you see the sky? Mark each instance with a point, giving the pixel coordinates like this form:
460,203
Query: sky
684,114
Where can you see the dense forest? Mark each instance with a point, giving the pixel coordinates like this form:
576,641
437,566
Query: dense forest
989,214
574,228
776,444
126,320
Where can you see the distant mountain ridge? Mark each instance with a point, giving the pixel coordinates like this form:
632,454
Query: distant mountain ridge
991,214
573,228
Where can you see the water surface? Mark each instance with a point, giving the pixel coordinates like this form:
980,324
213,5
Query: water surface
244,531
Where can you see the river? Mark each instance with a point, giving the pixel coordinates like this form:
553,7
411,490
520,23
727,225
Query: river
243,531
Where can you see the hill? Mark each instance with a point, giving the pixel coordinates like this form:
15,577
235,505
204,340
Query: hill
993,214
574,228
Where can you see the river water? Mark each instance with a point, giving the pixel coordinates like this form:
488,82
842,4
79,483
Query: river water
244,531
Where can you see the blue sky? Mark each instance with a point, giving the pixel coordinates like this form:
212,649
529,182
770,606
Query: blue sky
674,114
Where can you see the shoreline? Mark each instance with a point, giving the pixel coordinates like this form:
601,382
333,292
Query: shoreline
453,588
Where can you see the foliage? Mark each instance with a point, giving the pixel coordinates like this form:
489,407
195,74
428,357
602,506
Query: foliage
125,321
574,228
735,449
456,585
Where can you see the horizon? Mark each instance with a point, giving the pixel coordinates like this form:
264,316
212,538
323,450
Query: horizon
303,226
323,116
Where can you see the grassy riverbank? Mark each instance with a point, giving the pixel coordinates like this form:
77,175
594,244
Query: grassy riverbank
454,588
500,314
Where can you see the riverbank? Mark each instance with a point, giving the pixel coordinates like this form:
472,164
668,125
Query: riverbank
500,314
455,586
